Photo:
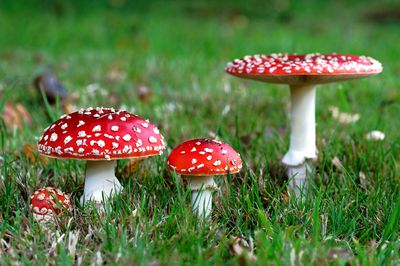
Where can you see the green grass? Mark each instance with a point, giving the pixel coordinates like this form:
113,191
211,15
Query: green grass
179,51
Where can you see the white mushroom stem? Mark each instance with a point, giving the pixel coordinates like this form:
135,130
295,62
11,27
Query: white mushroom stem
202,188
100,181
302,136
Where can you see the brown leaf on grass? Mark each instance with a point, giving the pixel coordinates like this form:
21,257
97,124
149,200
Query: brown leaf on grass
116,73
30,151
342,117
340,253
247,138
113,99
15,115
383,14
144,93
68,108
129,168
242,249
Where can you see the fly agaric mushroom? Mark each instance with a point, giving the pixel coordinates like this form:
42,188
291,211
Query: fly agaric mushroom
302,73
46,203
199,160
100,136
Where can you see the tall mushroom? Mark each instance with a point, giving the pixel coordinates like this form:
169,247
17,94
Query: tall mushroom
100,136
302,73
199,160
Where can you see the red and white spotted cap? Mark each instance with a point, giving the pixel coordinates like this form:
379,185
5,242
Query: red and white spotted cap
48,202
204,157
101,134
303,69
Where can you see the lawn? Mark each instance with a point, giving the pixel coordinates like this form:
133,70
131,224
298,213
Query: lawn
165,60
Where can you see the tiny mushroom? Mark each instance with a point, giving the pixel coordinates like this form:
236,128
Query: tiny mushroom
100,136
199,160
46,203
302,73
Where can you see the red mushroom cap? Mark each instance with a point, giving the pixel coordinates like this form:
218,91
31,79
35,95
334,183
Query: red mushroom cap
101,134
203,157
47,202
303,69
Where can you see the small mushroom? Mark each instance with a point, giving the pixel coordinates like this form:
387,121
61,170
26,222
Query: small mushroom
199,160
100,136
46,203
302,73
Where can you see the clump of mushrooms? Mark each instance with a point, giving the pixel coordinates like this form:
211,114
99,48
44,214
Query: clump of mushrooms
199,160
302,73
47,203
100,136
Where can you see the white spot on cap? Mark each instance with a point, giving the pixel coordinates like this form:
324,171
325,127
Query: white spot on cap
96,128
156,131
110,117
80,123
194,161
115,145
217,163
123,118
224,152
53,137
108,136
81,150
69,150
139,143
82,133
152,139
107,157
183,152
41,196
64,126
145,125
101,143
209,157
198,143
200,166
194,149
67,139
114,128
208,150
127,137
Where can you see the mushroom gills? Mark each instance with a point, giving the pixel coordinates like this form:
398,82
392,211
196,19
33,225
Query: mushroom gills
100,181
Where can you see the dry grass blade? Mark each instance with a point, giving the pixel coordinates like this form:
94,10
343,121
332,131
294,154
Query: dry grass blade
242,249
